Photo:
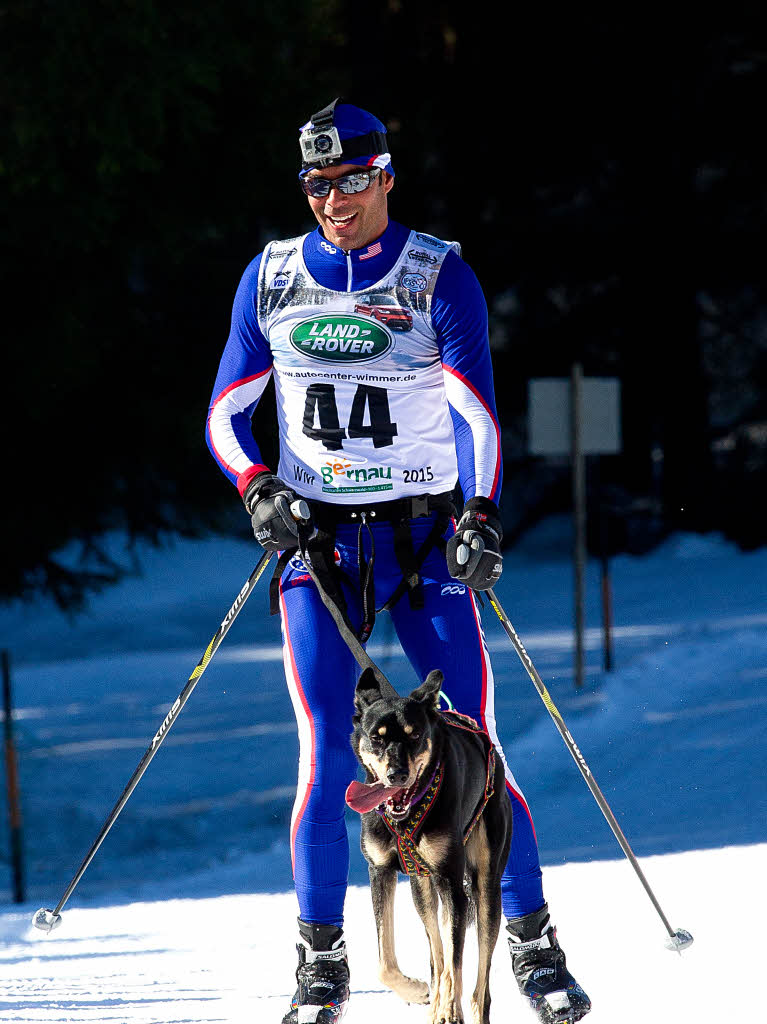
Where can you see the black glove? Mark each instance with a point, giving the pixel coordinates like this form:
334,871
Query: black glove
474,551
276,512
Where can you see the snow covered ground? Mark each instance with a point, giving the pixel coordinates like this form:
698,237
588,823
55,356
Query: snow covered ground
179,961
186,913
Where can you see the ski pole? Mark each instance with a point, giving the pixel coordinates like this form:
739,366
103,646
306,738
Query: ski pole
677,940
46,919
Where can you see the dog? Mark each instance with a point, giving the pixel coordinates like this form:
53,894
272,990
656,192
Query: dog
434,806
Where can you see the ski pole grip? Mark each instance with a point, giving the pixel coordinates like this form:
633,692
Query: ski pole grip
300,511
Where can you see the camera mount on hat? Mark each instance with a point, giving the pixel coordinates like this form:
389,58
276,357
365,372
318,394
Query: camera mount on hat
321,143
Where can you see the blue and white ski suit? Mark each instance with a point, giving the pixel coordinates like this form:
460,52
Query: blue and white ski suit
384,387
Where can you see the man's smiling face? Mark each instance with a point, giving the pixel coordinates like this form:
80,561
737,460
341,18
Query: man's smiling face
352,221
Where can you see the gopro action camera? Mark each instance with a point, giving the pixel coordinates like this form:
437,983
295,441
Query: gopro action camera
320,146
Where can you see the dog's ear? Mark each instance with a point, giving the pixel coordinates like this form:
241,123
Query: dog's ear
428,692
368,690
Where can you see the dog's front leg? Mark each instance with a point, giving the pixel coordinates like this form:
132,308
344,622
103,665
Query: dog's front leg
490,834
454,914
383,885
426,902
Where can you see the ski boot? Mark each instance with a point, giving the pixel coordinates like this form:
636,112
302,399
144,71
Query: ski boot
322,975
539,966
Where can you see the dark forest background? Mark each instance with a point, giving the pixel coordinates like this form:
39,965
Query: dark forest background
605,174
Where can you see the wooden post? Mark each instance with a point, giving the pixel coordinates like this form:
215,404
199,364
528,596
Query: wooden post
579,512
12,778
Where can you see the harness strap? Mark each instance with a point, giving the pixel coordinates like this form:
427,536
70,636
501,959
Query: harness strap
320,551
341,618
460,721
410,561
367,581
406,559
399,513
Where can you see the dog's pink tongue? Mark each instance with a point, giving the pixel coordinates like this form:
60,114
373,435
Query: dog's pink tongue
363,797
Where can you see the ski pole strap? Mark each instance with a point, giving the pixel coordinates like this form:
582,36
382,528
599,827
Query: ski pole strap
274,582
322,548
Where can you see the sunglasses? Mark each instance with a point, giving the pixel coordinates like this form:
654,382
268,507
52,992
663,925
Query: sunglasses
348,184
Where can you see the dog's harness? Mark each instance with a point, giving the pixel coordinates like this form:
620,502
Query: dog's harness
406,832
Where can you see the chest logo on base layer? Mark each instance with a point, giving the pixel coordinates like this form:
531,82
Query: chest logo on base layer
340,338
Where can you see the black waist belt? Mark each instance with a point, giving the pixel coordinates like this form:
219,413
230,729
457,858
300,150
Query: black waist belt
396,511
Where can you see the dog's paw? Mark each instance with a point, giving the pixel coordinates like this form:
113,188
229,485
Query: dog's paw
409,989
449,1013
414,991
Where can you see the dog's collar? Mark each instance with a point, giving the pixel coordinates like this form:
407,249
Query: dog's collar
417,799
406,831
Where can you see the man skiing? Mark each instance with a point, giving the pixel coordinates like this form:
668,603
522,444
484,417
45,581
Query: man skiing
377,339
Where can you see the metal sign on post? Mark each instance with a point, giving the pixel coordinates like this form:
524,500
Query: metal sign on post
550,416
577,417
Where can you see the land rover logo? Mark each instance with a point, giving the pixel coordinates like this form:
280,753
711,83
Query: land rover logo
342,338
